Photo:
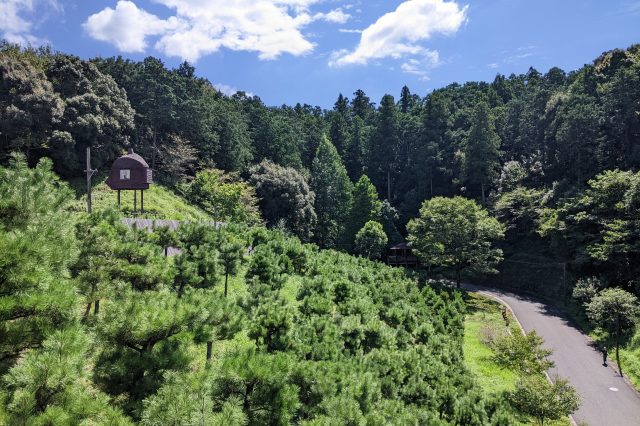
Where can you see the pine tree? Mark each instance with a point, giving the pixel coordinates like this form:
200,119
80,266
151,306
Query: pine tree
230,255
37,245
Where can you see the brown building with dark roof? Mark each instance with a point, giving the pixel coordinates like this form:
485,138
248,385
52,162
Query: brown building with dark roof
130,172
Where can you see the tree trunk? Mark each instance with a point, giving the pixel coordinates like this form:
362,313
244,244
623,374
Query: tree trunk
166,251
153,154
389,184
431,185
96,307
87,311
483,196
618,345
209,350
226,280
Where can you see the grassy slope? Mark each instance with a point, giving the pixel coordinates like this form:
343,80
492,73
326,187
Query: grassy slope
630,359
159,201
485,313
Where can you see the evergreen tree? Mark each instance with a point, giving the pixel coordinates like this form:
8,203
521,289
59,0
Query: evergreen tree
365,207
356,155
37,245
383,149
482,151
333,189
430,163
339,129
230,255
407,100
361,106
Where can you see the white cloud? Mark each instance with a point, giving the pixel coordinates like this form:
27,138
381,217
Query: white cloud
17,19
199,27
421,66
349,31
397,34
337,16
127,26
225,89
493,65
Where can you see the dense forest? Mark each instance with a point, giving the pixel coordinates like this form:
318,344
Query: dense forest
279,324
527,146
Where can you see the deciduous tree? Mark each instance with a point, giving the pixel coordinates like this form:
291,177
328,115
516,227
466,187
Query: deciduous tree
456,234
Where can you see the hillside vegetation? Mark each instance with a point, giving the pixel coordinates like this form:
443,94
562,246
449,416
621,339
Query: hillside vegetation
119,333
160,202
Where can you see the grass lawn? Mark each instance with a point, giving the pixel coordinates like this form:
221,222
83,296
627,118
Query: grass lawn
484,313
630,360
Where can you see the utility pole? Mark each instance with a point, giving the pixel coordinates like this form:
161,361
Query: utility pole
90,172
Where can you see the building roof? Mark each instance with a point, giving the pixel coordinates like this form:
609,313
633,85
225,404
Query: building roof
126,159
401,246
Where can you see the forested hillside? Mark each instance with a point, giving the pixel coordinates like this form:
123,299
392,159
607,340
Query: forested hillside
520,141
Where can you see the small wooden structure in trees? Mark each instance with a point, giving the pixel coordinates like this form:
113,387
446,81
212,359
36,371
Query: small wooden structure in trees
130,173
401,255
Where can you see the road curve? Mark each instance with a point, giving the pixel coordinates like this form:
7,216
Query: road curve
607,399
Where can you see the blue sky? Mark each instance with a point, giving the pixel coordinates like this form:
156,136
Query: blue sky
308,51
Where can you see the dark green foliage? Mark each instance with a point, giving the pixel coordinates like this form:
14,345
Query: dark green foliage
29,107
384,147
597,228
481,153
339,127
333,189
361,343
97,114
285,195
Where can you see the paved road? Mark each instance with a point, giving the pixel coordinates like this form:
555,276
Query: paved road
607,399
